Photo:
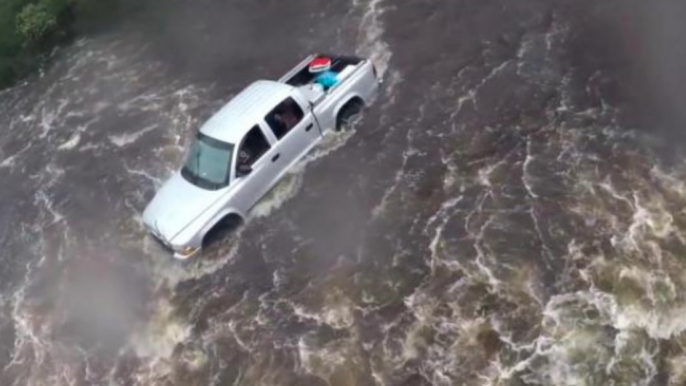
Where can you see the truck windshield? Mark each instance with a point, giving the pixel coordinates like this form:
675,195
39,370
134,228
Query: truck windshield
208,163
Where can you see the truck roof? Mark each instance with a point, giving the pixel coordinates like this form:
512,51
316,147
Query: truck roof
245,110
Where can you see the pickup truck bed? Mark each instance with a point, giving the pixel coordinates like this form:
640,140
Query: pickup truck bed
301,76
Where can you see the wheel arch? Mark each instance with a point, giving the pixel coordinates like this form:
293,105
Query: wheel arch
218,221
352,100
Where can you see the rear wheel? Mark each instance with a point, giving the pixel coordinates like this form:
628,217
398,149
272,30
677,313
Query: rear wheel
349,114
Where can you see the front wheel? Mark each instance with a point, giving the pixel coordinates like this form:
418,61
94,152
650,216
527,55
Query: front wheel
349,114
216,236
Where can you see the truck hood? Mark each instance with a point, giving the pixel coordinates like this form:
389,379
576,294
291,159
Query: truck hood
176,205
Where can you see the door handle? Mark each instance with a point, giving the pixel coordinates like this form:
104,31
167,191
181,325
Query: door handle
309,127
276,157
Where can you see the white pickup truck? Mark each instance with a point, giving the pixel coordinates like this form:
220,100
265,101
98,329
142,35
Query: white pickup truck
245,149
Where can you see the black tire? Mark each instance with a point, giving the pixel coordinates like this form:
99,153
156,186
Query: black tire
349,114
226,226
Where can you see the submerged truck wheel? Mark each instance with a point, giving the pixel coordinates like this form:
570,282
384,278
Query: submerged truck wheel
225,227
349,113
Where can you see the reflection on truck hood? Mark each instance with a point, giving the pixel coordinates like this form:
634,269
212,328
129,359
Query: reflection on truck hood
175,205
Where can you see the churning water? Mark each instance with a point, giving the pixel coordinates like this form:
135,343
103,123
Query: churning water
510,211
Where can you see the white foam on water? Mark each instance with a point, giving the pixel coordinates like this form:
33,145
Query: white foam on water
33,346
167,272
651,222
155,344
145,102
324,361
527,178
292,181
156,181
570,340
470,95
677,370
422,307
128,138
50,117
75,139
442,216
673,182
284,190
370,35
9,161
71,143
161,334
410,151
46,201
483,257
37,351
336,311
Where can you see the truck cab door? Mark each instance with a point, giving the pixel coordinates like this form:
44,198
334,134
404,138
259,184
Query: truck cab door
295,130
257,167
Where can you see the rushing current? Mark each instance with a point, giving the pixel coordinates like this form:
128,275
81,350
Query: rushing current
510,211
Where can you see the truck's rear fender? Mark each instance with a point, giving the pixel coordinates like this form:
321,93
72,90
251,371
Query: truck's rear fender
363,86
350,99
370,82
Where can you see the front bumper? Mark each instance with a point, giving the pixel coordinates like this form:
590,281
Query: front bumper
180,253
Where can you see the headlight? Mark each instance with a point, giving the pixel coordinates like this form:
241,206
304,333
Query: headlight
186,251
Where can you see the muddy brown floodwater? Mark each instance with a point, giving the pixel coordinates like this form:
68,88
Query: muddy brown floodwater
510,211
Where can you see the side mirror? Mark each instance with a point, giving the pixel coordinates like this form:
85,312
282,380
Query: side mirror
244,170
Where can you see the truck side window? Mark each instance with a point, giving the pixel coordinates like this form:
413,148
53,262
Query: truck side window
284,117
254,145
